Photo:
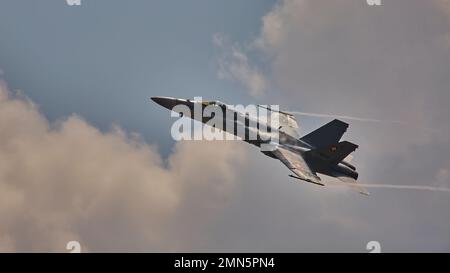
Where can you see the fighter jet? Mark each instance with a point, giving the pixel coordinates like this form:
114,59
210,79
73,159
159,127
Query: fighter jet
319,152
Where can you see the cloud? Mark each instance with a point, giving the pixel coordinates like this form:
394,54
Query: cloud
233,64
444,6
275,24
110,191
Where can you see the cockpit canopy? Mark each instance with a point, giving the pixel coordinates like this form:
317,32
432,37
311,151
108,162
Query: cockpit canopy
213,102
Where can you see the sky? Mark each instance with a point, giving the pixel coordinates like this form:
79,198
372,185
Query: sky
86,156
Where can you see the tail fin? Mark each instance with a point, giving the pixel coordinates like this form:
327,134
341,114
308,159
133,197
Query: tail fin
328,134
334,153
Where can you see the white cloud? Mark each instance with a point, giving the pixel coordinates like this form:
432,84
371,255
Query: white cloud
233,64
276,23
444,6
110,191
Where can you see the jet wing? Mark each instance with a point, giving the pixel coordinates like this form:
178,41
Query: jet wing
297,165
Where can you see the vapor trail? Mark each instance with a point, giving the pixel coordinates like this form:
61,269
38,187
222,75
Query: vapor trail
408,187
391,186
345,117
431,130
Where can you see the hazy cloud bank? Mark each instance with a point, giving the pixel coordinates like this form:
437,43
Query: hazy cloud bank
111,191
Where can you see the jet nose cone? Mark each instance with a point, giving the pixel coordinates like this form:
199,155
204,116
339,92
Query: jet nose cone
160,100
166,102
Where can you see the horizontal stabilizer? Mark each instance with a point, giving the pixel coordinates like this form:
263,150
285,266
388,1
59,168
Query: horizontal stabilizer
328,134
